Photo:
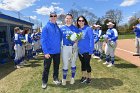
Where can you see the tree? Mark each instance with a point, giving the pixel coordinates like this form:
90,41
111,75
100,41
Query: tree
114,15
91,18
61,18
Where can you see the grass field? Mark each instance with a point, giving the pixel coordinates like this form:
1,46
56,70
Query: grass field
128,36
123,78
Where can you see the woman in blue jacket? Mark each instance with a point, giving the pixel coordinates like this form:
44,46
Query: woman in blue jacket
85,48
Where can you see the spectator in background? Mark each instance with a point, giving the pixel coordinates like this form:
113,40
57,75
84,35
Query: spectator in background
137,38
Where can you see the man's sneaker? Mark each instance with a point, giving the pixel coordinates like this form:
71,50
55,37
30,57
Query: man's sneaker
63,82
136,54
57,82
88,80
110,65
106,63
72,81
44,85
83,79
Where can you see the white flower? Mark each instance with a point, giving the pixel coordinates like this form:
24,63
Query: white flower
73,37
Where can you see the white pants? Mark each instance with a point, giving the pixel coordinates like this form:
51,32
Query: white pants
35,46
109,50
23,51
98,46
137,44
17,49
69,55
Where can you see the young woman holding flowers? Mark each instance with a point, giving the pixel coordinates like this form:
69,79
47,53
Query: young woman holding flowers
69,48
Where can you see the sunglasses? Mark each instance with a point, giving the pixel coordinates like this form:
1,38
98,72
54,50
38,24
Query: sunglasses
53,16
81,21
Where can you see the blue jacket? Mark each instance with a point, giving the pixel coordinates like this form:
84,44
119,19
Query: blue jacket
51,39
86,44
66,30
96,34
112,34
137,30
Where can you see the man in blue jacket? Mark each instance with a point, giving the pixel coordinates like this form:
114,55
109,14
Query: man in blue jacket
137,39
50,41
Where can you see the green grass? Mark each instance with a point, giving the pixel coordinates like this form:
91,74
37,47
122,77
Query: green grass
127,36
123,78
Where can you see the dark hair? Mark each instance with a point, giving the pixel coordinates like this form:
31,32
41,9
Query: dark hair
85,21
26,30
69,14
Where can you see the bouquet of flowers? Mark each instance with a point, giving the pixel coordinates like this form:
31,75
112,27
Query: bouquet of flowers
23,41
74,36
103,38
112,44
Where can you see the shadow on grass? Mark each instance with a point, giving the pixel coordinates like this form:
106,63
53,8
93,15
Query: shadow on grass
6,69
34,63
124,65
97,83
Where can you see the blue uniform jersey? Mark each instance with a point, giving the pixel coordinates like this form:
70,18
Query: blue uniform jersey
96,35
28,38
51,39
112,34
66,30
34,37
86,44
17,39
137,30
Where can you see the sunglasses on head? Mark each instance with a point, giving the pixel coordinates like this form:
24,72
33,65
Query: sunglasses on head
81,21
53,16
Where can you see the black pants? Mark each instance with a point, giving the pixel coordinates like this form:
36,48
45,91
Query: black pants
85,62
47,64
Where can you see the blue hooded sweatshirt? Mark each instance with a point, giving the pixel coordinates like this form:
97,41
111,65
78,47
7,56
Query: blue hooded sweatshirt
51,39
86,44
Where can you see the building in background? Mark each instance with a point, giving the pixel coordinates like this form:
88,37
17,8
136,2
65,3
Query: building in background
7,24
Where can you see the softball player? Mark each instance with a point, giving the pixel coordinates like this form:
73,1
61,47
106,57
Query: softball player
111,43
17,47
69,54
22,37
137,39
28,44
96,41
34,43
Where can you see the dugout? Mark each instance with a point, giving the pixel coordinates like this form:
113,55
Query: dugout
7,25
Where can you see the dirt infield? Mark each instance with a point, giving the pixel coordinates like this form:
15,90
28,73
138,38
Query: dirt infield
125,50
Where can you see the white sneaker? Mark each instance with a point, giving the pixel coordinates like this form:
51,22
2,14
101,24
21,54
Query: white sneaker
63,82
72,81
96,57
35,57
110,65
17,66
57,82
99,60
44,85
106,63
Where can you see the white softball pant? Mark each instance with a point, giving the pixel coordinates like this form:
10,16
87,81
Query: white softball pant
109,50
69,55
